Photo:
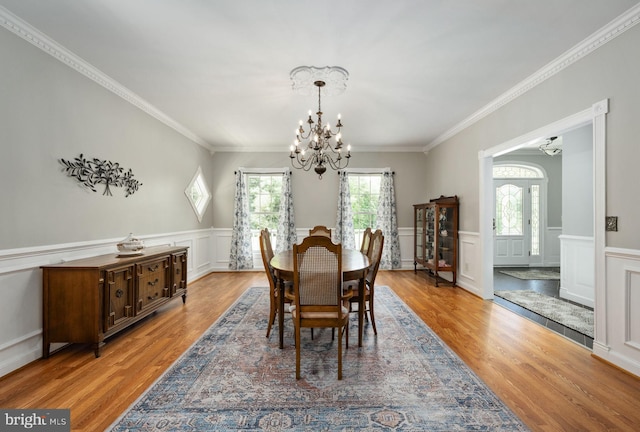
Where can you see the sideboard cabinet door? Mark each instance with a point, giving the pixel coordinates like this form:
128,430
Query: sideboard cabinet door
119,287
179,281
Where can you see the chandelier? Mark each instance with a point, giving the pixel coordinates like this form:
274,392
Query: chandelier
551,147
319,146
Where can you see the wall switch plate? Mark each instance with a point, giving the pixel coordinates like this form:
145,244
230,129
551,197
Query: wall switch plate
612,223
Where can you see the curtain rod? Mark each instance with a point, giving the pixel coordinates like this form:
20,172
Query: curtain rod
368,172
264,170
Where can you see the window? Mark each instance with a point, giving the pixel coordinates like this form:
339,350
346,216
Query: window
535,219
509,209
264,191
198,194
365,193
516,171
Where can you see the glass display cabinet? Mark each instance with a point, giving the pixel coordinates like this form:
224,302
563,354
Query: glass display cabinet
436,237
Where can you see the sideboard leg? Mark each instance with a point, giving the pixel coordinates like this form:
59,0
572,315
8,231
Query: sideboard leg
97,349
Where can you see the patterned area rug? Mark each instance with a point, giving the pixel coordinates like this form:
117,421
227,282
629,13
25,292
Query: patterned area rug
569,315
533,274
234,378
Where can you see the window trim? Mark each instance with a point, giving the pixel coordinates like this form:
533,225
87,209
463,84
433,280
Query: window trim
198,178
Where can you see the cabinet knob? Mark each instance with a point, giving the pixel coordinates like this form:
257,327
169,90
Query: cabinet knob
119,293
153,283
154,268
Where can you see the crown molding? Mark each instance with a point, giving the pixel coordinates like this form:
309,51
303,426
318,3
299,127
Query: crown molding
29,33
285,149
609,32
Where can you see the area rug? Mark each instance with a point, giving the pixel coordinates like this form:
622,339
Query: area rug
533,274
569,315
403,379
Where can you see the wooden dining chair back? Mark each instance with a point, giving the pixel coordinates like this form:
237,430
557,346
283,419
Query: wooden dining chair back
267,254
375,255
320,230
366,241
318,297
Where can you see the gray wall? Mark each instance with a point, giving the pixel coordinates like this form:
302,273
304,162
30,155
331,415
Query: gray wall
316,200
49,111
611,72
577,166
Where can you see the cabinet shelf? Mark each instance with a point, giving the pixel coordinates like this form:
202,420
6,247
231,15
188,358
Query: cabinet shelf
436,236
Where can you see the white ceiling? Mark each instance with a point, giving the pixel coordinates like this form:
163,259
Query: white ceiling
220,68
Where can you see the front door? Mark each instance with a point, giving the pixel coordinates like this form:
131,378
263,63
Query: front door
512,218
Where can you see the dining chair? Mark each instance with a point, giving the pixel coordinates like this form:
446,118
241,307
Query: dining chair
267,253
320,230
319,301
375,255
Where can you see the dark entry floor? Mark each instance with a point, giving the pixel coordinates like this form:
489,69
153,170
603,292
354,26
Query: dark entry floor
547,287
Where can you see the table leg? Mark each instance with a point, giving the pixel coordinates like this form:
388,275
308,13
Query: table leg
281,311
361,306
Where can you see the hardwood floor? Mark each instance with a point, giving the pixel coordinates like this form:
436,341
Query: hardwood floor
551,383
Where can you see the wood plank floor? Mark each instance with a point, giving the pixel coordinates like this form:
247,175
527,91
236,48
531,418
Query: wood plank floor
551,383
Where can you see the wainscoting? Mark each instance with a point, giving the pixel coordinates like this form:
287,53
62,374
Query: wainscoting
577,281
617,319
468,255
617,322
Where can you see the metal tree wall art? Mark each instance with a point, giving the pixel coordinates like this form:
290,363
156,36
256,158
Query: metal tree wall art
91,172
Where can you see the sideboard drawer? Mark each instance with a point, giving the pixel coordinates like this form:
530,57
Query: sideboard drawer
153,282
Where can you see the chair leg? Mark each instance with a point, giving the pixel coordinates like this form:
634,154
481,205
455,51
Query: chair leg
373,318
297,352
339,353
346,332
272,318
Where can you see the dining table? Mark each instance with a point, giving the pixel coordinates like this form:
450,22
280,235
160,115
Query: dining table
354,268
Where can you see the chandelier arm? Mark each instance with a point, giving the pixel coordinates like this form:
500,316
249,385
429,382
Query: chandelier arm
340,163
305,166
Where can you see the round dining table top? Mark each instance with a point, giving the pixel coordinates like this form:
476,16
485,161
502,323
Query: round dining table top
354,263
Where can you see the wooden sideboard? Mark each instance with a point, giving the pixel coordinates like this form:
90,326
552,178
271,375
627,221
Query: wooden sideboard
88,300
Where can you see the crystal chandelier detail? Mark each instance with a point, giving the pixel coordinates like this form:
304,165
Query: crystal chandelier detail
319,146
